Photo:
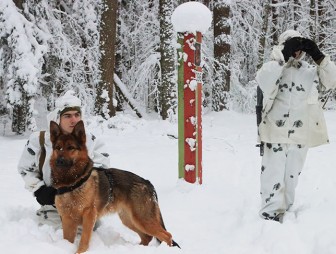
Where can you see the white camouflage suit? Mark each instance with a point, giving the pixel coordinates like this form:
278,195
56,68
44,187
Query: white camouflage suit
292,121
28,165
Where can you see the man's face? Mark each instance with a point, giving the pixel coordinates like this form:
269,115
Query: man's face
297,54
69,119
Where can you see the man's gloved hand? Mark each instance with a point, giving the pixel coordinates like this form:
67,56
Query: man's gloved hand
291,46
45,195
311,49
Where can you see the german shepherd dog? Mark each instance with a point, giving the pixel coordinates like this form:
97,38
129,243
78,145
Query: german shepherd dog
85,193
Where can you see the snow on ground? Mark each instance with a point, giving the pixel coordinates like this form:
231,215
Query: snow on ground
220,216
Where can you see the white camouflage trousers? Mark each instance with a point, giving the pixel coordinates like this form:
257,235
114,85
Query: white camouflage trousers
281,166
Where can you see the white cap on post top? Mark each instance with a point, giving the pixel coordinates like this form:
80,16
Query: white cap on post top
191,17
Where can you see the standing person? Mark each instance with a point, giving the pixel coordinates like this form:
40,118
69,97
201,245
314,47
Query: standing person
34,163
292,118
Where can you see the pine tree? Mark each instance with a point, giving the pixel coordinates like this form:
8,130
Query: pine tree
167,88
104,95
222,47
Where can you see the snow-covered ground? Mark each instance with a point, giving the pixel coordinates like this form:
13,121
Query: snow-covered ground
220,216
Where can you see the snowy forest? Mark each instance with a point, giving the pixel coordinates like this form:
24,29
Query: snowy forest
121,54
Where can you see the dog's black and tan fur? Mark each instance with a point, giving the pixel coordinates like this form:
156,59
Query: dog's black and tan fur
86,193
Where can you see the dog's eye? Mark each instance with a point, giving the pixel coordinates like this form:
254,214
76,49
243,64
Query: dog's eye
59,148
70,148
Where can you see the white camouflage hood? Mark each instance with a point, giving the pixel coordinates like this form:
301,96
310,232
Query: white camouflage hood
68,100
287,35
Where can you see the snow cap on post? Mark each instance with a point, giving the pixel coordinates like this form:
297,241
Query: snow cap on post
191,17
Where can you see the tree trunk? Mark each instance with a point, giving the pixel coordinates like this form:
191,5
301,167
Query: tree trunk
167,88
18,119
19,3
104,100
20,112
262,38
222,47
208,3
323,25
275,26
297,7
118,57
312,19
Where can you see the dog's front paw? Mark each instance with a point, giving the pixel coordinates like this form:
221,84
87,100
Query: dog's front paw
82,249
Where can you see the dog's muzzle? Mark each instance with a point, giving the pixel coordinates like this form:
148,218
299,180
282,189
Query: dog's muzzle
62,162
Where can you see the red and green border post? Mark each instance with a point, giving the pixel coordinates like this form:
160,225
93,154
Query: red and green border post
190,20
190,107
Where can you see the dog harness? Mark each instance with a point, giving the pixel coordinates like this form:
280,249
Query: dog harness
110,179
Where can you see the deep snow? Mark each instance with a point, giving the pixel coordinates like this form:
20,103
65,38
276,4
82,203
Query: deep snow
220,216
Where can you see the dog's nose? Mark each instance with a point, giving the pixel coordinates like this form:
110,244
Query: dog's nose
60,162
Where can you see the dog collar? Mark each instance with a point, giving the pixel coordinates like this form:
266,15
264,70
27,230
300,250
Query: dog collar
63,190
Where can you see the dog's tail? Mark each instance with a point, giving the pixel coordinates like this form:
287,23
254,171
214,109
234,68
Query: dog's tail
174,244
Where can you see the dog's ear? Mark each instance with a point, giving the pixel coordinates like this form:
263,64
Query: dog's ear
55,131
79,132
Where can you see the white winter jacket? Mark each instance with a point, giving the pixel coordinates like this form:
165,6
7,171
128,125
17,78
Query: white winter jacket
291,112
28,165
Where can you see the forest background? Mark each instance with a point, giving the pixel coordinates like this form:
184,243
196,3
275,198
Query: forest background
122,54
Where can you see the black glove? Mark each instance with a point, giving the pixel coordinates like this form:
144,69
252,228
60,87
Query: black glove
311,49
45,195
291,46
